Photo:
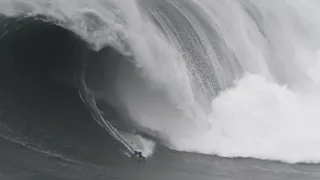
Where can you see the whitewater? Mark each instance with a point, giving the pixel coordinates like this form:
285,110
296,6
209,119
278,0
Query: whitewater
233,78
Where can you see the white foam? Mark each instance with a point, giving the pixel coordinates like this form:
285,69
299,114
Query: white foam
144,145
260,119
271,112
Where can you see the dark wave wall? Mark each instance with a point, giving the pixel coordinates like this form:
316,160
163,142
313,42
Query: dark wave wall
41,67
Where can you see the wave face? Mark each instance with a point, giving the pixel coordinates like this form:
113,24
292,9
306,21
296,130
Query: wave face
228,78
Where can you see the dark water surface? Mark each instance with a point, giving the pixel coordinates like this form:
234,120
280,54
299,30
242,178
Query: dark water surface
19,162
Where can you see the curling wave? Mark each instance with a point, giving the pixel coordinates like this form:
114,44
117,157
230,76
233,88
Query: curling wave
230,78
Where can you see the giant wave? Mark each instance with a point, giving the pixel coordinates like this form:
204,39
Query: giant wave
228,78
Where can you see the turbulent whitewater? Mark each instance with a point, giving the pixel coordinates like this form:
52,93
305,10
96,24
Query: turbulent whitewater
234,78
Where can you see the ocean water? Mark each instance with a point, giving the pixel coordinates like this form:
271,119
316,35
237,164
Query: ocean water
205,89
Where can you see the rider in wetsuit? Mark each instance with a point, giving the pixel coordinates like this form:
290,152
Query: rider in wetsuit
139,154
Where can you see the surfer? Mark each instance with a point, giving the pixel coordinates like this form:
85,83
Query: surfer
139,154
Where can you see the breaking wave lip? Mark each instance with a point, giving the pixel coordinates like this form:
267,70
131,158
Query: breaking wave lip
90,36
